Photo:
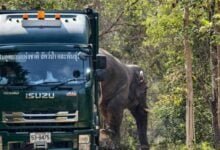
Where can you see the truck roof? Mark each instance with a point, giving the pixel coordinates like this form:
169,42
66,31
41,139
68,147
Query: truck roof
70,28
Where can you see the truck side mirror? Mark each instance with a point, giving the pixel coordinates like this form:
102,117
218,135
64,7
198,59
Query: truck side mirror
101,61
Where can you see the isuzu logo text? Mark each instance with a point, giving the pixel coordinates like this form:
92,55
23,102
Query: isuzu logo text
42,95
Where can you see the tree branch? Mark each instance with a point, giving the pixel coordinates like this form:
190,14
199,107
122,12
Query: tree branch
112,26
115,23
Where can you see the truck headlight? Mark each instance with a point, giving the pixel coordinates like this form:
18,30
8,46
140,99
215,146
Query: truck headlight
1,146
84,142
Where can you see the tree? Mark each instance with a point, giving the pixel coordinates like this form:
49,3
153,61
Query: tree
215,71
217,80
189,82
150,33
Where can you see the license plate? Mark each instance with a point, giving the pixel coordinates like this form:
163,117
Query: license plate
40,137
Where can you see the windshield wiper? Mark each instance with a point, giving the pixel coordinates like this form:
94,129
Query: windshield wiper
25,86
41,83
58,84
14,86
65,82
11,86
83,48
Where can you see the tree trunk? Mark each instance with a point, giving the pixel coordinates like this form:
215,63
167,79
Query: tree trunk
188,64
215,74
217,31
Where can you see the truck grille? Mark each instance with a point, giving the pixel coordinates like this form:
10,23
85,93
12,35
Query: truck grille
59,117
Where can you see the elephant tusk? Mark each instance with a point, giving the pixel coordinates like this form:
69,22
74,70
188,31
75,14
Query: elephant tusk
145,147
141,81
147,110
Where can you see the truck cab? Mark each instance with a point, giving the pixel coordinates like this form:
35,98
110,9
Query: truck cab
48,84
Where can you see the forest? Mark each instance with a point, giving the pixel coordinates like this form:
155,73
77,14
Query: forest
177,43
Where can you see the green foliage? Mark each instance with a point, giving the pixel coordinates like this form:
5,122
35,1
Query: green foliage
201,146
204,146
44,4
150,34
129,132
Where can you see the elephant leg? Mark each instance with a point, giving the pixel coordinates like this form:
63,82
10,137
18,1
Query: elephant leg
112,130
115,115
103,109
141,119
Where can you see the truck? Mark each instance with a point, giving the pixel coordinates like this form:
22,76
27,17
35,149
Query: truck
50,68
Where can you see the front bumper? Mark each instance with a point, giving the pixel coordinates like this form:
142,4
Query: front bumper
59,140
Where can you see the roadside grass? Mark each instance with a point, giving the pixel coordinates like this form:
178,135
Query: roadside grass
170,146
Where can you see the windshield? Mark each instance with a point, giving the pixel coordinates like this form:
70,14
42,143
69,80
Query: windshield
20,68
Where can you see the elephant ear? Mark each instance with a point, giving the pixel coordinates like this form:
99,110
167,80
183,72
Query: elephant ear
139,76
139,86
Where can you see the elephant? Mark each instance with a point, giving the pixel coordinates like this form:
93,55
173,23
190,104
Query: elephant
124,87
